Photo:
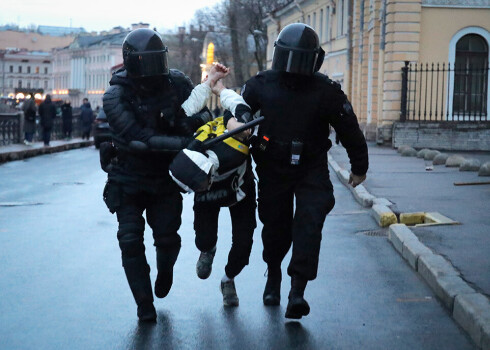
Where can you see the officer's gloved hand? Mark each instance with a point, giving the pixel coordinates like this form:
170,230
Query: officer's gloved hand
188,125
355,180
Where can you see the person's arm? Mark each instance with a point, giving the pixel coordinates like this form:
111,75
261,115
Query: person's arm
344,121
128,132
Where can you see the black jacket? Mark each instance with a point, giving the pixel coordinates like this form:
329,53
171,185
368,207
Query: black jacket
47,112
145,128
301,108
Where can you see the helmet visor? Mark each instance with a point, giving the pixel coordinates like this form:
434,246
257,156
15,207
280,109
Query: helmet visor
294,61
147,64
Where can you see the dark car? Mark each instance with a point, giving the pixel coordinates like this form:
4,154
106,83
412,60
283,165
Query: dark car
101,129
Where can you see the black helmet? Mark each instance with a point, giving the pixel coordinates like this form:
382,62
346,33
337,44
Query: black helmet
144,54
297,50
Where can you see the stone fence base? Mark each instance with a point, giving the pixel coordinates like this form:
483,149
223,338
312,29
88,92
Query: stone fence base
443,136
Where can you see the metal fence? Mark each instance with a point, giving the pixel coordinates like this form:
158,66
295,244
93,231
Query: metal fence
11,125
441,92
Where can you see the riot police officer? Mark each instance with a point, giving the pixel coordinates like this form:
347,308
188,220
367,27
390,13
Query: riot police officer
148,124
290,151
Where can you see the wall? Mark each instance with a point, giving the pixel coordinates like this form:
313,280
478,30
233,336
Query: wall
438,26
443,136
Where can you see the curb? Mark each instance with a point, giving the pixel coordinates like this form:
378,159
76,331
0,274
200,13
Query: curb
471,310
32,152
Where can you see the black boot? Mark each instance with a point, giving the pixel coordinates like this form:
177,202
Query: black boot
297,305
272,291
166,258
138,275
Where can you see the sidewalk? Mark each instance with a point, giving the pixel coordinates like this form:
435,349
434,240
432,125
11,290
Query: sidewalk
21,151
405,182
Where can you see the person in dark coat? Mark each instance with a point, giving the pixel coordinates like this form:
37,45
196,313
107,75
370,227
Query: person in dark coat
47,112
294,190
67,115
87,118
29,109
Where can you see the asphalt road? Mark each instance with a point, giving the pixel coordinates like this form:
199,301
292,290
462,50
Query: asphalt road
62,285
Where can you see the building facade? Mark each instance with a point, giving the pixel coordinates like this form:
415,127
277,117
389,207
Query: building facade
83,69
25,73
401,60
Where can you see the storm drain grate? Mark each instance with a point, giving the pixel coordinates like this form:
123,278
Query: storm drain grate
373,233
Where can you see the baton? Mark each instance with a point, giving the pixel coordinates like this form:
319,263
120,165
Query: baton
209,143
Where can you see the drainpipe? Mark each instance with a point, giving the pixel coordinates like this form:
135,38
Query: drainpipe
349,47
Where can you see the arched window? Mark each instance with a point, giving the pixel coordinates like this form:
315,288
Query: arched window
470,76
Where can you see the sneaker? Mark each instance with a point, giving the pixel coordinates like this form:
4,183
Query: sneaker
205,264
230,298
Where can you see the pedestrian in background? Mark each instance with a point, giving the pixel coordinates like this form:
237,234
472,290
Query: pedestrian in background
87,118
47,112
67,115
29,109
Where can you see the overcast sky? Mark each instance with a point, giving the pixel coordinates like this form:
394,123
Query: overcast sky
101,14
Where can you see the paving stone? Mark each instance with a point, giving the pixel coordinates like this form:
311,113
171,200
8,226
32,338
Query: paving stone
409,152
422,152
430,155
402,148
383,215
448,287
472,312
398,234
484,169
454,161
471,164
413,250
431,267
440,159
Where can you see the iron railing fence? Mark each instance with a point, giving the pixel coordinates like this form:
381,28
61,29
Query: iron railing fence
442,92
11,124
9,129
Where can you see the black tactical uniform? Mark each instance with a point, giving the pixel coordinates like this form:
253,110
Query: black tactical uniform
298,104
143,107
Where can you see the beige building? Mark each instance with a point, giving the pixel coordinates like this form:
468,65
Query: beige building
368,42
83,69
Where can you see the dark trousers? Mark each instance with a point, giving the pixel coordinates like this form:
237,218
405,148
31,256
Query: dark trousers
287,224
243,224
46,136
29,136
86,135
163,212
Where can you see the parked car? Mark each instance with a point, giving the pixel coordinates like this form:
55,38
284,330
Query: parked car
101,129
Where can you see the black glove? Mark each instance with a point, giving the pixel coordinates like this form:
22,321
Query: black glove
187,125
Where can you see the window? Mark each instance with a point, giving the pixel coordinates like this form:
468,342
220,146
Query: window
314,21
320,27
327,24
11,69
20,69
19,84
45,70
470,76
45,85
308,20
340,18
11,83
37,70
28,85
29,69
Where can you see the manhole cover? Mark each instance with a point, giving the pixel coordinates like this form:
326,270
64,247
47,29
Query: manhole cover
373,233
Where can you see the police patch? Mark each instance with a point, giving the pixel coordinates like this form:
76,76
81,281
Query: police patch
347,107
